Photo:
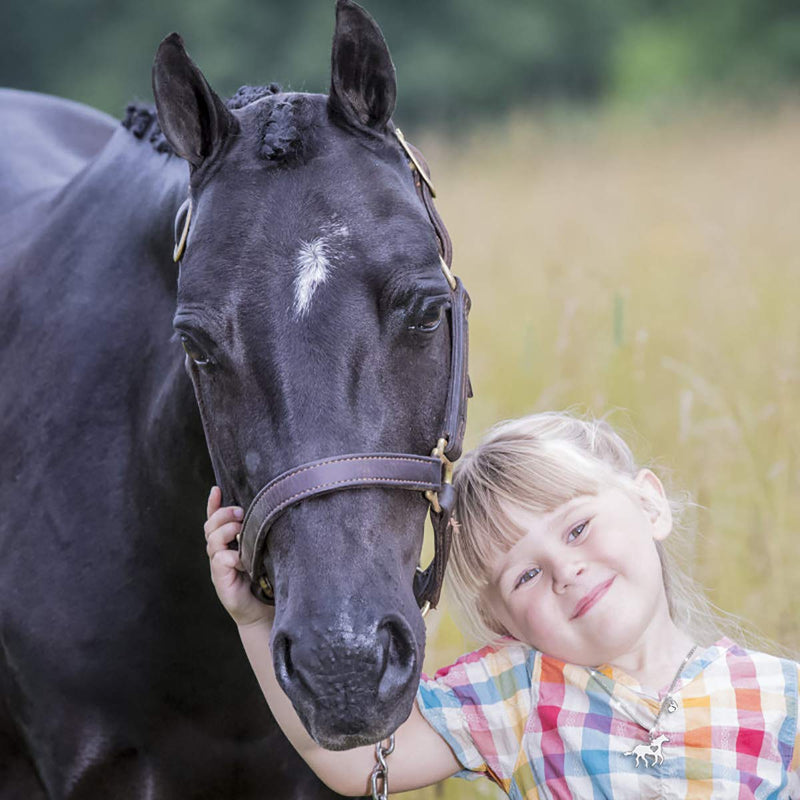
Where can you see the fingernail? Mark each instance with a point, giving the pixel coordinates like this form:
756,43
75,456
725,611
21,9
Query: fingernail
238,513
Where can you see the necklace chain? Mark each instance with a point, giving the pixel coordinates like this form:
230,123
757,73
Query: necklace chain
667,697
653,750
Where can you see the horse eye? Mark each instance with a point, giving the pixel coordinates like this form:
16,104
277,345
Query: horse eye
430,320
194,351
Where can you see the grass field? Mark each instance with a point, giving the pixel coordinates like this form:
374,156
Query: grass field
649,268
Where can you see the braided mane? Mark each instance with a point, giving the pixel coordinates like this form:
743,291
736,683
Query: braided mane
282,122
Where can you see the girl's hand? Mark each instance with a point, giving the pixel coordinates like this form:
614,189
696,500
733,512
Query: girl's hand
227,573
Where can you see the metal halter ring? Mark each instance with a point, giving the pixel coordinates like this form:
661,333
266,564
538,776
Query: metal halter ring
177,253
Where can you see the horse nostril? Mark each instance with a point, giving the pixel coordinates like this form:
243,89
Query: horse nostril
400,650
282,658
399,656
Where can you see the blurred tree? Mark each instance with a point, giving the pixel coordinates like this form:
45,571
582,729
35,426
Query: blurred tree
745,48
456,59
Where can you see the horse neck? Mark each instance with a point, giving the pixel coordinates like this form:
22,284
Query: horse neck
116,219
128,195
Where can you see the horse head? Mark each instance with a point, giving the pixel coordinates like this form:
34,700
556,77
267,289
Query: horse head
314,312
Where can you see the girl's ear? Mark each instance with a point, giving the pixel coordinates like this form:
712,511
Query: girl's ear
655,503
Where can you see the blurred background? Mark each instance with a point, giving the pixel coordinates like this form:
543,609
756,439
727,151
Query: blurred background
620,179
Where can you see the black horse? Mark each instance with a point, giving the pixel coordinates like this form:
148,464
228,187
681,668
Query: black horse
310,303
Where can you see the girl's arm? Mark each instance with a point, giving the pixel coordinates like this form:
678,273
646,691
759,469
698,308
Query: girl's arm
421,757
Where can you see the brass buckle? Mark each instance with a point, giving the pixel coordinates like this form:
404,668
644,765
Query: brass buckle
404,144
266,587
438,452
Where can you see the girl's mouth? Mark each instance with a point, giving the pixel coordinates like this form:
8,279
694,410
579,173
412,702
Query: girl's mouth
588,600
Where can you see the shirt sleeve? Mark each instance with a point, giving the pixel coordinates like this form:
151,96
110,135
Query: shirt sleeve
480,706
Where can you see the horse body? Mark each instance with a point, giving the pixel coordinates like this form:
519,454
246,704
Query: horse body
308,260
51,140
120,669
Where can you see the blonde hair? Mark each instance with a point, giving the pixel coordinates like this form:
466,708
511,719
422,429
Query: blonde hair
537,463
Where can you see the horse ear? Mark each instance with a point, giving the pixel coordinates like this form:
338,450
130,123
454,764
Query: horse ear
192,117
363,86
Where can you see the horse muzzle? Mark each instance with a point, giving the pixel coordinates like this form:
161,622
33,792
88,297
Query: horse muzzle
350,687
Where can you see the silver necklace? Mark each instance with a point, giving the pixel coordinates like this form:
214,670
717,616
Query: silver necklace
653,749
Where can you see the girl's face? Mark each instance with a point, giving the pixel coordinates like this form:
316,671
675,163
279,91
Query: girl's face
584,583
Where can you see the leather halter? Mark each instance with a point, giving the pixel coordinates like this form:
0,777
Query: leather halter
430,474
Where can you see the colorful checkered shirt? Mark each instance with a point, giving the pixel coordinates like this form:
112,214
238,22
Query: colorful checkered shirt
540,728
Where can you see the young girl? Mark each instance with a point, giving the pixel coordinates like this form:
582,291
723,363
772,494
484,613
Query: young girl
603,674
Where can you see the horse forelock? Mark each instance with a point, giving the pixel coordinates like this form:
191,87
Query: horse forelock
246,95
284,122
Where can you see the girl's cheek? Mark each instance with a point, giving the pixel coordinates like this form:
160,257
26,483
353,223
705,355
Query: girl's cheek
535,621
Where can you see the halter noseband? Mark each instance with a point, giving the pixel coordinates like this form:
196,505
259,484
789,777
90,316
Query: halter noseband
431,474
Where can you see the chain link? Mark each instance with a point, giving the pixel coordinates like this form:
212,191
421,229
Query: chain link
380,772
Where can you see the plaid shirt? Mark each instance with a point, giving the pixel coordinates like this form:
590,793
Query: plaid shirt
540,728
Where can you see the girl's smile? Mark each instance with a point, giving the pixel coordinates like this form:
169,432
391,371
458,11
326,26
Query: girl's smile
586,602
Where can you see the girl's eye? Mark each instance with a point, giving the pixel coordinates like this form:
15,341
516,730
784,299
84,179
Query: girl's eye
526,576
430,320
194,351
576,531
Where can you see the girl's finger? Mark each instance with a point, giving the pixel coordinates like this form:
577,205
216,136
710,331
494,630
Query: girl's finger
218,539
214,500
223,561
220,517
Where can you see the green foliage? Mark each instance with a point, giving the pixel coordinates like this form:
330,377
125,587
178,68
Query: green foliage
456,59
742,48
653,59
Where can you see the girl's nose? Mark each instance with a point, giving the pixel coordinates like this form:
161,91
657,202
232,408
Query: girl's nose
565,574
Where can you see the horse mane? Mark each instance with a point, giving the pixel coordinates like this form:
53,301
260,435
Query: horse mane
282,122
141,120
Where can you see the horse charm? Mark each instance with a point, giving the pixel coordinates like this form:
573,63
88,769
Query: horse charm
653,750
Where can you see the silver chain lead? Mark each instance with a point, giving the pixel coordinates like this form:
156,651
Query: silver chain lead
380,772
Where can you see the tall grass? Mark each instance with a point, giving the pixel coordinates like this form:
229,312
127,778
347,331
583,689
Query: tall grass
650,268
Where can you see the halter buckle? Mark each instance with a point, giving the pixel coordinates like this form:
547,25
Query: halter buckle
438,452
266,587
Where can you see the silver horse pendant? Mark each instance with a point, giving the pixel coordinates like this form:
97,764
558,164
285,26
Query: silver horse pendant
642,751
